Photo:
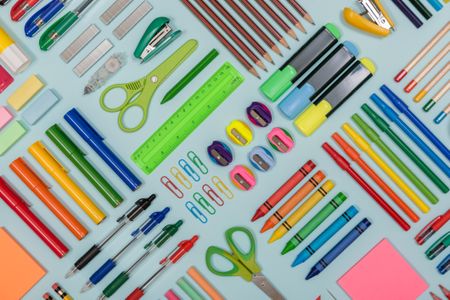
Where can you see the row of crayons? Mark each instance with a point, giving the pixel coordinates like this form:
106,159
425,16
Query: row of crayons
268,9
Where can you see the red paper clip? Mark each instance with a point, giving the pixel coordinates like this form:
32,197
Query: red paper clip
212,194
171,187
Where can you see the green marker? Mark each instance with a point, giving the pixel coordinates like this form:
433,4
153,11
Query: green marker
163,236
384,126
189,289
190,76
77,157
315,222
375,138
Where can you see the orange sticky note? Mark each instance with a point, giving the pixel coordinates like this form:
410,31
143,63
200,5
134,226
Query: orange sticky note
19,271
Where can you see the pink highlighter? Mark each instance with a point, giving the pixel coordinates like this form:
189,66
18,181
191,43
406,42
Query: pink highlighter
5,79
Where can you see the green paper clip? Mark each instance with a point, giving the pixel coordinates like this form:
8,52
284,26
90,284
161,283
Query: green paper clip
193,157
204,203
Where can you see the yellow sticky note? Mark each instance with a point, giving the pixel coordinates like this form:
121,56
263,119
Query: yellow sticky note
25,92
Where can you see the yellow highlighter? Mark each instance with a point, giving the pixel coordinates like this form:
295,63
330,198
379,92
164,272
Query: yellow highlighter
298,214
59,173
364,145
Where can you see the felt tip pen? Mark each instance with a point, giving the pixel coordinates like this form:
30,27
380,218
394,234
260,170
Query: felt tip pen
403,108
43,16
167,232
444,265
173,257
21,208
394,117
325,236
77,157
345,165
340,247
35,183
432,227
145,228
438,247
55,169
96,142
21,8
139,206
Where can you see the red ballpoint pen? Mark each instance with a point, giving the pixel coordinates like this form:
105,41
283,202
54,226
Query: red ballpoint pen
182,248
345,165
20,207
21,7
432,227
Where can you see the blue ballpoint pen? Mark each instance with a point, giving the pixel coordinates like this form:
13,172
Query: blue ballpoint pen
153,220
339,248
394,117
43,16
403,108
436,4
325,236
95,140
444,265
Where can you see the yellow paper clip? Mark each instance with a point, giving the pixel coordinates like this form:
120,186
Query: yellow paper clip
220,185
380,23
180,177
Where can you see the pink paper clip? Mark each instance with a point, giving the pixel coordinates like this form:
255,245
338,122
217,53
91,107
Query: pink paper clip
171,187
212,194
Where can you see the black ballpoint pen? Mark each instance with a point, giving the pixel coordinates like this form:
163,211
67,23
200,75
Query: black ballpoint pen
140,206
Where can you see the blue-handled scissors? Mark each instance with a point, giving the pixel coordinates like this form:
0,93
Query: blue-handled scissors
244,263
139,93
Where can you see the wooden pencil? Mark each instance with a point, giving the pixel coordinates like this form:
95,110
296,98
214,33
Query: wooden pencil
277,19
289,15
305,15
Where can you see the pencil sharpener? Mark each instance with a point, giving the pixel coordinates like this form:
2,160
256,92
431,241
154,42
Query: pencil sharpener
243,178
220,153
261,158
281,140
239,133
259,114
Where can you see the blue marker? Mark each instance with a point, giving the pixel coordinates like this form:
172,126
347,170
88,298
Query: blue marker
153,220
339,248
444,265
95,140
43,16
325,236
394,117
436,4
403,108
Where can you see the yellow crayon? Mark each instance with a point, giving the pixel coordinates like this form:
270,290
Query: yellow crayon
298,214
59,173
364,145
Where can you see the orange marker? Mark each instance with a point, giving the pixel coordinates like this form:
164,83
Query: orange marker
290,204
42,191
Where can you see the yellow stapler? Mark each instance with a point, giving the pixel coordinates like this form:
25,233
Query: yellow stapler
379,24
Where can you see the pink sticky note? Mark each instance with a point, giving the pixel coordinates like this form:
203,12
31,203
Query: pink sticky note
5,116
383,274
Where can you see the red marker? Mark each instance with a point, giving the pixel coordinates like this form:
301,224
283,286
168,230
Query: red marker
279,194
21,8
432,228
345,165
174,256
20,207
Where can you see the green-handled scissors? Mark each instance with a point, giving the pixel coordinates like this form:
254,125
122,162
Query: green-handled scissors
244,263
139,93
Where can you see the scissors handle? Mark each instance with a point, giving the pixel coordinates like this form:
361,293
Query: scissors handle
237,268
129,94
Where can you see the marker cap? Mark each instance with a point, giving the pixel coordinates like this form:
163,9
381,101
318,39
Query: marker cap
313,117
278,83
296,101
11,55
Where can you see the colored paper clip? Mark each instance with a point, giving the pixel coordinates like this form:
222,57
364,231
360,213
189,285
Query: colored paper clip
221,186
439,246
432,227
259,114
188,170
193,157
155,39
182,179
239,133
261,158
220,153
171,187
281,140
196,212
379,24
243,178
204,203
212,194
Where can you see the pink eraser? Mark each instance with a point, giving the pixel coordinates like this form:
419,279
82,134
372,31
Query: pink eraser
5,79
5,116
170,295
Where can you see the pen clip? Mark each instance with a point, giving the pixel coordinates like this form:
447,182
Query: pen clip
212,194
196,212
180,177
220,185
43,148
188,170
171,187
193,157
204,203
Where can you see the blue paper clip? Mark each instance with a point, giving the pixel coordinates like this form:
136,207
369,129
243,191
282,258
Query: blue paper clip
204,203
180,177
188,170
212,194
196,212
193,157
220,185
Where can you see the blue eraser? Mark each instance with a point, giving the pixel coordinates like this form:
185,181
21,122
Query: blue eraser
39,107
352,48
296,101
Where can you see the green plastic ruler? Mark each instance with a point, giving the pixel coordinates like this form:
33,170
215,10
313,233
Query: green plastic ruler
187,118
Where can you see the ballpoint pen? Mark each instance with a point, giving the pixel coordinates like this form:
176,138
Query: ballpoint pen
157,242
432,227
145,228
21,7
62,25
439,246
40,18
139,206
173,257
444,265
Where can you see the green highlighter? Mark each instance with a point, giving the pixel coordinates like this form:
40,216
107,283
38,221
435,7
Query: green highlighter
77,157
316,47
375,138
384,126
315,222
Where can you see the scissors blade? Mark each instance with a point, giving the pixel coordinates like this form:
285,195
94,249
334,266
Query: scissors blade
266,286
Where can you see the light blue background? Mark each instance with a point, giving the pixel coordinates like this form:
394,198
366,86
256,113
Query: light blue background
389,54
